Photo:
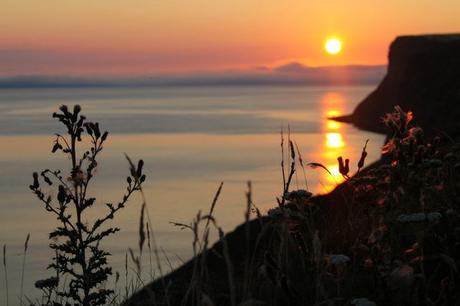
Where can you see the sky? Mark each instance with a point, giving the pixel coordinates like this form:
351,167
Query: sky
126,37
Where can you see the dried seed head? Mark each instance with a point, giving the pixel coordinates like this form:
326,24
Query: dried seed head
363,156
340,161
347,167
26,244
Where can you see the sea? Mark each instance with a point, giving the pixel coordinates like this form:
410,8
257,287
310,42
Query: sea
191,139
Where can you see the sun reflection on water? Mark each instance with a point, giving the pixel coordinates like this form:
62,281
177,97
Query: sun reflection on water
334,140
333,125
336,176
334,144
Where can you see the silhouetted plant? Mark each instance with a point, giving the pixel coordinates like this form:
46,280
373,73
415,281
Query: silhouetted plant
76,241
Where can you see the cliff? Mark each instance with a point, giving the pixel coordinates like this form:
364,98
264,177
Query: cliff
423,76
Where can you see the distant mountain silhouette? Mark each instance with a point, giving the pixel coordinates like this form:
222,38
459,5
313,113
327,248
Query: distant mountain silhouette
288,74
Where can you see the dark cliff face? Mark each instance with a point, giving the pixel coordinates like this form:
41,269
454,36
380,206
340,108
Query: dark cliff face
423,76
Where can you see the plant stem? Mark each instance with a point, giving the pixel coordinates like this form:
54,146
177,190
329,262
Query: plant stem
6,275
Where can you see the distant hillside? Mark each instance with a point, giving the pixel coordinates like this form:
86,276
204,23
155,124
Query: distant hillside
289,74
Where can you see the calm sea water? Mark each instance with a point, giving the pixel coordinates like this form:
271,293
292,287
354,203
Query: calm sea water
191,139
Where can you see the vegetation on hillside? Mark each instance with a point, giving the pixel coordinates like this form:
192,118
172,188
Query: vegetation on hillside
388,235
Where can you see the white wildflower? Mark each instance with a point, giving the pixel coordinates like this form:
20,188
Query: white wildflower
362,302
339,259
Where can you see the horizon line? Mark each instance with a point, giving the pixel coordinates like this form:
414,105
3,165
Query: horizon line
293,73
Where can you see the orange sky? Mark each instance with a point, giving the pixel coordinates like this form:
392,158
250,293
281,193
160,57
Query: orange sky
117,36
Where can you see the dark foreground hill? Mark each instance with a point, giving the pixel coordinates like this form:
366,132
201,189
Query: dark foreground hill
388,236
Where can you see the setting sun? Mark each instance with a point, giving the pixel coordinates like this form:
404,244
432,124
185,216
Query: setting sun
333,46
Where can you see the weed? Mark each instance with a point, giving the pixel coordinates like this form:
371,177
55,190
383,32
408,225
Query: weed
76,240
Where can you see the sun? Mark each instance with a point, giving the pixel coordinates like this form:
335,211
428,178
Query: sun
333,46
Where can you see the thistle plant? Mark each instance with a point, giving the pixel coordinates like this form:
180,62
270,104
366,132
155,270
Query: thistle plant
76,240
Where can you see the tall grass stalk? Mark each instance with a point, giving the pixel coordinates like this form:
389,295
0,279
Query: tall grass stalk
248,234
26,246
301,165
293,158
229,265
283,172
214,202
6,275
151,237
149,245
194,294
126,276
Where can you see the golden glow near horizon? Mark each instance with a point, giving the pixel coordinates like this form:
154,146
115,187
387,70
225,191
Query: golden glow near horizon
151,36
333,46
